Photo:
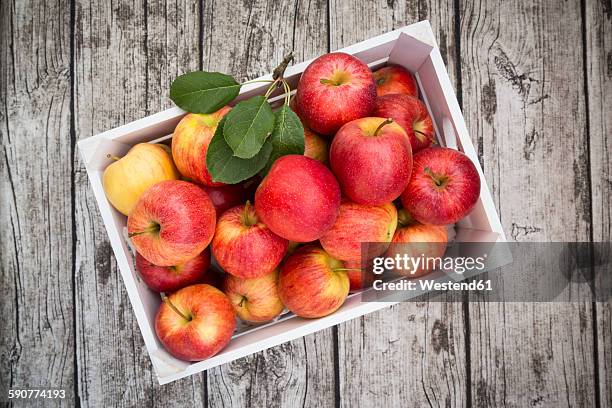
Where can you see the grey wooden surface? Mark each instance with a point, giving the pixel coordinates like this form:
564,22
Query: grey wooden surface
534,79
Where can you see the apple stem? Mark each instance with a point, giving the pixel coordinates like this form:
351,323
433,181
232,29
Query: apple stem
152,228
248,218
433,176
115,158
280,70
404,218
346,269
167,301
242,301
383,124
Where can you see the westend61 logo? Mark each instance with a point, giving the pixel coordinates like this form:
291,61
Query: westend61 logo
489,271
407,265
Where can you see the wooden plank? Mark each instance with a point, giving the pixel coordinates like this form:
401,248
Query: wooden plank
126,54
300,372
414,353
36,311
527,119
598,64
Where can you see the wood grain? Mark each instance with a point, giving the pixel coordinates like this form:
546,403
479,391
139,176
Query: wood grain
301,372
527,119
535,81
414,353
126,54
36,306
598,64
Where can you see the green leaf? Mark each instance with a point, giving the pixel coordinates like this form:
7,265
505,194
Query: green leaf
287,136
203,92
248,125
223,166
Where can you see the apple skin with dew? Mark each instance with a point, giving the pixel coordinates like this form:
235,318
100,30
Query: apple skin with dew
358,225
443,188
395,79
190,142
145,164
372,160
312,283
333,90
412,115
196,322
416,240
172,223
244,246
171,278
298,199
255,300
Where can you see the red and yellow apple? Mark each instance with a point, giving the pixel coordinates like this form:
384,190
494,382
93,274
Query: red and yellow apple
412,115
444,186
315,146
298,199
255,300
190,144
372,159
144,165
171,278
196,322
172,223
244,246
312,283
333,90
395,79
418,241
358,225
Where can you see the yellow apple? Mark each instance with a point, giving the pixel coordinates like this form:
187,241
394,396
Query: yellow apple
128,177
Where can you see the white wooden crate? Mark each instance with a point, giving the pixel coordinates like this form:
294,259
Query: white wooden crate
413,47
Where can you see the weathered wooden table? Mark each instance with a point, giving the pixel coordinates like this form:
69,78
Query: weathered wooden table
535,84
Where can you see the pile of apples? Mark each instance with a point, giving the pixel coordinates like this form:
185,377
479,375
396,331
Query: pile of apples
369,149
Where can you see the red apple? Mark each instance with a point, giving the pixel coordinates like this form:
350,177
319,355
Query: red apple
226,197
315,146
395,79
171,278
444,186
195,322
372,159
298,199
244,246
172,223
358,225
255,300
418,241
333,90
190,143
312,283
412,115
